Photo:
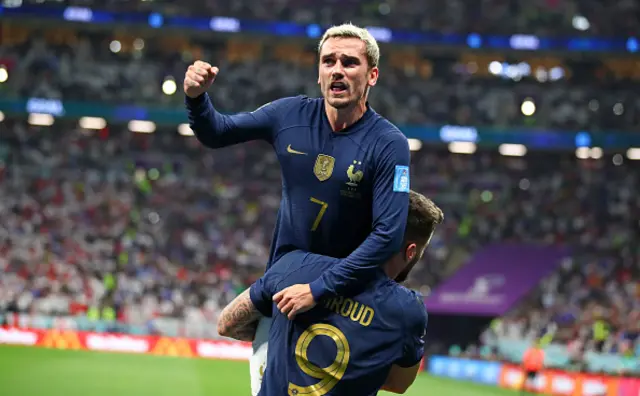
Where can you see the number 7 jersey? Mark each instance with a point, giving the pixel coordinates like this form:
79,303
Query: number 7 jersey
344,194
344,346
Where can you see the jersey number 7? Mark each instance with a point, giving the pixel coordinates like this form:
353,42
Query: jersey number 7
323,208
328,376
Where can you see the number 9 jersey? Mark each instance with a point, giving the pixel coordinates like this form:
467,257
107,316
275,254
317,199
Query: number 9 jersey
344,346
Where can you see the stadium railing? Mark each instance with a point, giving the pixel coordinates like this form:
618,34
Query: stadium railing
551,381
556,355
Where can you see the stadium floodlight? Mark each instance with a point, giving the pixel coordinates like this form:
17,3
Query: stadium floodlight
462,147
138,44
528,107
415,144
169,86
633,153
617,160
512,150
140,126
4,74
582,152
185,130
92,123
115,46
40,119
595,153
1,116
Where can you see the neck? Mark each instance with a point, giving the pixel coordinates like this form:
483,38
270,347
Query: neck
340,119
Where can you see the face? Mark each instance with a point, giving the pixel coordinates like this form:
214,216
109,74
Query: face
344,73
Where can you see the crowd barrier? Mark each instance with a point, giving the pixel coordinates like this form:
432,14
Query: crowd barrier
550,382
106,342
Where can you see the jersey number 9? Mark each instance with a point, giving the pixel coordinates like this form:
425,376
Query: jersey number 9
328,376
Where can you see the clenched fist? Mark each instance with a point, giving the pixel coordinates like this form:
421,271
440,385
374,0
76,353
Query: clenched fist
199,78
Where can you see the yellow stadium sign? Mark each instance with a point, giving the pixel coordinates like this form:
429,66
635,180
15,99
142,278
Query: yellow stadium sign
57,339
172,347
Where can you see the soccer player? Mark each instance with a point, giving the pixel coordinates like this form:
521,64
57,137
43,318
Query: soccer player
344,346
345,169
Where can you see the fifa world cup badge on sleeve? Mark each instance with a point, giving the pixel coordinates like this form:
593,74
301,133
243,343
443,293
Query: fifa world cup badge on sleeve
401,179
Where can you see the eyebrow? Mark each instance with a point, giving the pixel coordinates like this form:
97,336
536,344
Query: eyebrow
333,55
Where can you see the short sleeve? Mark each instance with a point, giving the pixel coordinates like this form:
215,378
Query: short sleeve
415,331
261,294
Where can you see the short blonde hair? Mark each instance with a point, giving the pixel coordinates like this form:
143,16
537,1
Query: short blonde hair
348,30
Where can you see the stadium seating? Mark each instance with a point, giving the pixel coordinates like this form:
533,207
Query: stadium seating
542,17
416,87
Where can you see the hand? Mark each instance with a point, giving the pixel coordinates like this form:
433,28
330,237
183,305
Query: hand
199,78
294,300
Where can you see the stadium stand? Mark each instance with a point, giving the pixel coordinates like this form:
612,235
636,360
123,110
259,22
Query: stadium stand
468,89
540,17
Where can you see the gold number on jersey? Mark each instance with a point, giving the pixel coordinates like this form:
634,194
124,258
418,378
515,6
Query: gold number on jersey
328,376
323,209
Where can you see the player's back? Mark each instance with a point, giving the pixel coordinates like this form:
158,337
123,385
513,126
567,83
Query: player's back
345,346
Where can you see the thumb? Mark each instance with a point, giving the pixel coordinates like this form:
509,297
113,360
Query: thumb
213,72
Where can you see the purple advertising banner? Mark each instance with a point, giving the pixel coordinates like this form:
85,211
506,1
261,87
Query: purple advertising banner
495,279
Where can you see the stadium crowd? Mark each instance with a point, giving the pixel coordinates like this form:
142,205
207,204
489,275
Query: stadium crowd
415,87
541,17
156,232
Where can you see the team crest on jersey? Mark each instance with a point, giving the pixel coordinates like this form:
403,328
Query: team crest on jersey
355,176
323,169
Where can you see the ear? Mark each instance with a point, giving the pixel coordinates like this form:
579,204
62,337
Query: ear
373,76
411,251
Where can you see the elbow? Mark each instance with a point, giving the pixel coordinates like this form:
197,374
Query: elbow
223,329
207,139
394,388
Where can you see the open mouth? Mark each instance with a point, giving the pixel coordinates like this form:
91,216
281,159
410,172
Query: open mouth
338,87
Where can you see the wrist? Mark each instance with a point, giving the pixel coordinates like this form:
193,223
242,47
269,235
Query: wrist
199,102
318,289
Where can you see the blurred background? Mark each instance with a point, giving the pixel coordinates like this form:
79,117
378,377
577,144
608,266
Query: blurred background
523,118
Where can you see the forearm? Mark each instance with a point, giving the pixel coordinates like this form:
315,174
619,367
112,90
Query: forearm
355,271
215,130
239,320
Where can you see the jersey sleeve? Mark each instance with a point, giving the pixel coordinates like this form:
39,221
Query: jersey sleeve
415,315
261,295
216,130
288,270
390,210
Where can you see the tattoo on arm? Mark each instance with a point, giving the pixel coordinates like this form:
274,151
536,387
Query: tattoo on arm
239,320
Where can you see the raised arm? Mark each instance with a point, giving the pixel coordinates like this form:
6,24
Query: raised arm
216,130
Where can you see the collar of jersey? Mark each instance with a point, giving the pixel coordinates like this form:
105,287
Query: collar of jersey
355,127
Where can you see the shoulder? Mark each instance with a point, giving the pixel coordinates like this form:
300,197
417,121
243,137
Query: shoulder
413,308
387,135
282,103
292,110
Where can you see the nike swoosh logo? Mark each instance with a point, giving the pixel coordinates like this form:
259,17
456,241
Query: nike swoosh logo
292,151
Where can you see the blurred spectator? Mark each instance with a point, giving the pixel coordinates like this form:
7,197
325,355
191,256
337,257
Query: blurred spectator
541,17
416,87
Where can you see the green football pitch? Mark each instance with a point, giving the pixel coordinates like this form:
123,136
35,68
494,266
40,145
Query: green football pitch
28,371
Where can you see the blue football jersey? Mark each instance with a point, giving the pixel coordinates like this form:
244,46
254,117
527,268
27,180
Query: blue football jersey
344,194
344,346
